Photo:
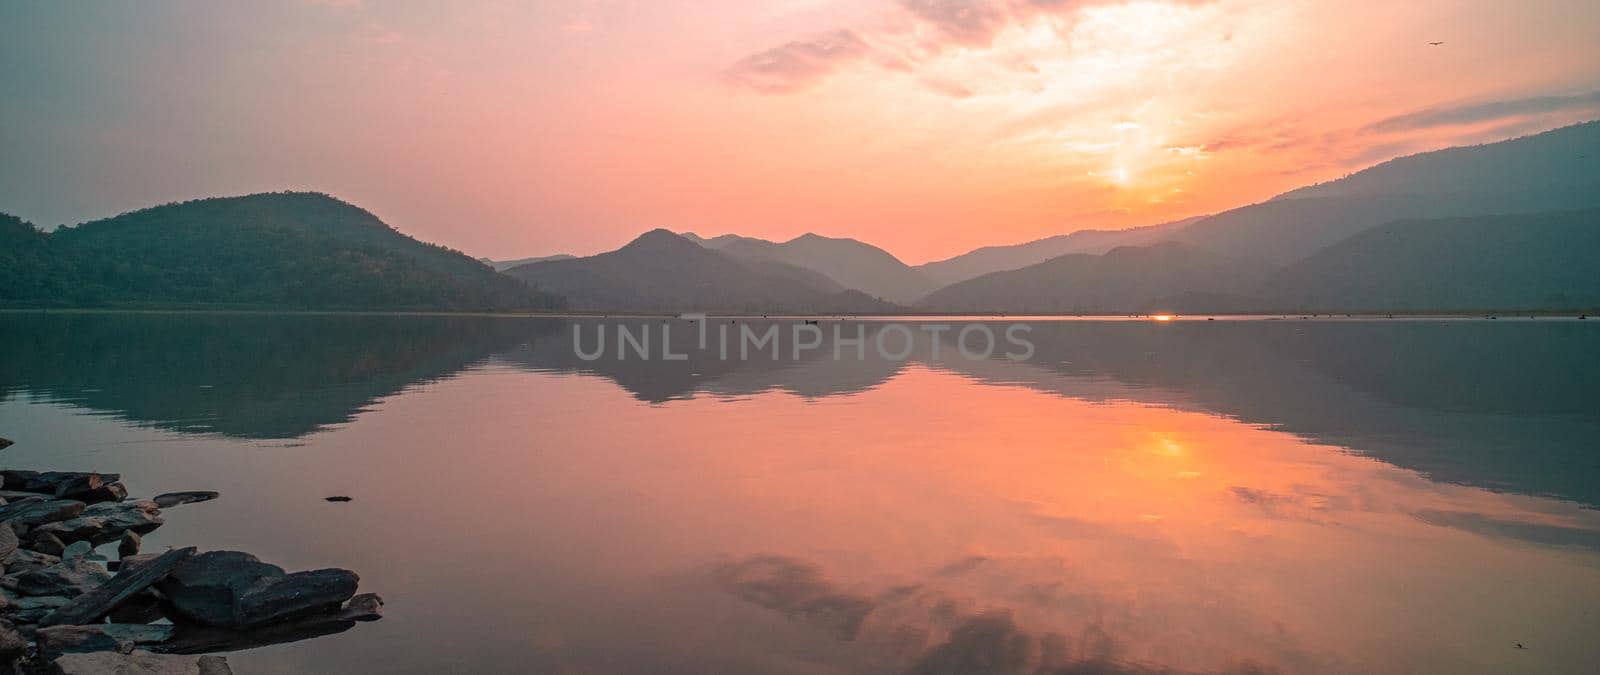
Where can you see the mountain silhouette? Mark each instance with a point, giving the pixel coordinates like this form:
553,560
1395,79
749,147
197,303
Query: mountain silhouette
979,262
664,272
1130,279
1542,260
1552,171
851,263
277,250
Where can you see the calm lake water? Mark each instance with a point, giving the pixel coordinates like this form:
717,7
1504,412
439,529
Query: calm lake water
1378,496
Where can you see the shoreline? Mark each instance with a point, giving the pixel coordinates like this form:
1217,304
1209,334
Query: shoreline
67,607
1497,314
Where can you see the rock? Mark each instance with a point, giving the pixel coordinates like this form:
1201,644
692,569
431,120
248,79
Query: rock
139,663
144,607
77,549
68,578
96,603
90,488
12,644
23,560
50,482
36,510
364,607
29,609
44,542
8,540
6,443
105,522
105,637
129,544
338,498
236,590
172,499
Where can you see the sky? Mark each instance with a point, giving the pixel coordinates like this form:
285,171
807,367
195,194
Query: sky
927,127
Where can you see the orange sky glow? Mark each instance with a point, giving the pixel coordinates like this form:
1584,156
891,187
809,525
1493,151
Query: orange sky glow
928,127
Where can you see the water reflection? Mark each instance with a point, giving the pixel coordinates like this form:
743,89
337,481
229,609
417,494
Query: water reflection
1137,498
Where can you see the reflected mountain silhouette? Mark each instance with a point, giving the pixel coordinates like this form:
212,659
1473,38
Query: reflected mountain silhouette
1502,405
254,376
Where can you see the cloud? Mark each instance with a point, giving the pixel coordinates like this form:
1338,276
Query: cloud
968,22
799,64
1485,112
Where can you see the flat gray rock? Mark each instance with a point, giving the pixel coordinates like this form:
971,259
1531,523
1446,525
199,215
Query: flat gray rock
172,499
232,589
69,578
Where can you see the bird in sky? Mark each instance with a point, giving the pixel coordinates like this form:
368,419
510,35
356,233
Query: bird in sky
1437,43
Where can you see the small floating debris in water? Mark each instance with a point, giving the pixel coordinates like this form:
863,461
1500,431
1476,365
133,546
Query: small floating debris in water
337,498
1519,646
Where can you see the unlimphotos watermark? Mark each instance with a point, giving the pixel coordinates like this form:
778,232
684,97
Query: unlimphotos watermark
731,338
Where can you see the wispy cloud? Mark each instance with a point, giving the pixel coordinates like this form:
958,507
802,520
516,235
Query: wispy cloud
798,64
1486,112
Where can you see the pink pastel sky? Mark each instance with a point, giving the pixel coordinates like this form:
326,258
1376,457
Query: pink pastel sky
928,127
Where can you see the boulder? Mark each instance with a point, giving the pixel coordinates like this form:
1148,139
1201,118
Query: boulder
36,510
44,542
91,606
69,578
105,522
129,544
49,482
23,560
75,550
138,663
91,488
104,637
30,609
8,541
232,589
12,644
172,499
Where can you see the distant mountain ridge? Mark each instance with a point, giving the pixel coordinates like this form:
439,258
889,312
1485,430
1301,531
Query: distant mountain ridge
850,263
291,250
503,265
981,261
664,272
1123,280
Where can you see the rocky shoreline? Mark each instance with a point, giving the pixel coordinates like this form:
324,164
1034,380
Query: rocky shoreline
67,608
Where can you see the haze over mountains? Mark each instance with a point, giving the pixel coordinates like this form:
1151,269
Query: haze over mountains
1503,226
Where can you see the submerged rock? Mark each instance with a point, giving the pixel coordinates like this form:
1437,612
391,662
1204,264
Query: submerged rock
172,499
139,663
232,589
364,607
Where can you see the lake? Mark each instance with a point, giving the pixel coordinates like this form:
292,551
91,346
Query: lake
1231,496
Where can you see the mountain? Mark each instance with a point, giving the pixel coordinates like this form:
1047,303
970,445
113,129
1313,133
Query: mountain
664,272
503,265
1129,279
979,262
1555,170
279,250
1525,261
853,264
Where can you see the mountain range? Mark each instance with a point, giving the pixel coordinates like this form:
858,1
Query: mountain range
1501,226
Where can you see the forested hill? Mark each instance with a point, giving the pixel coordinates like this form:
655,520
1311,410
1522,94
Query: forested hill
293,250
